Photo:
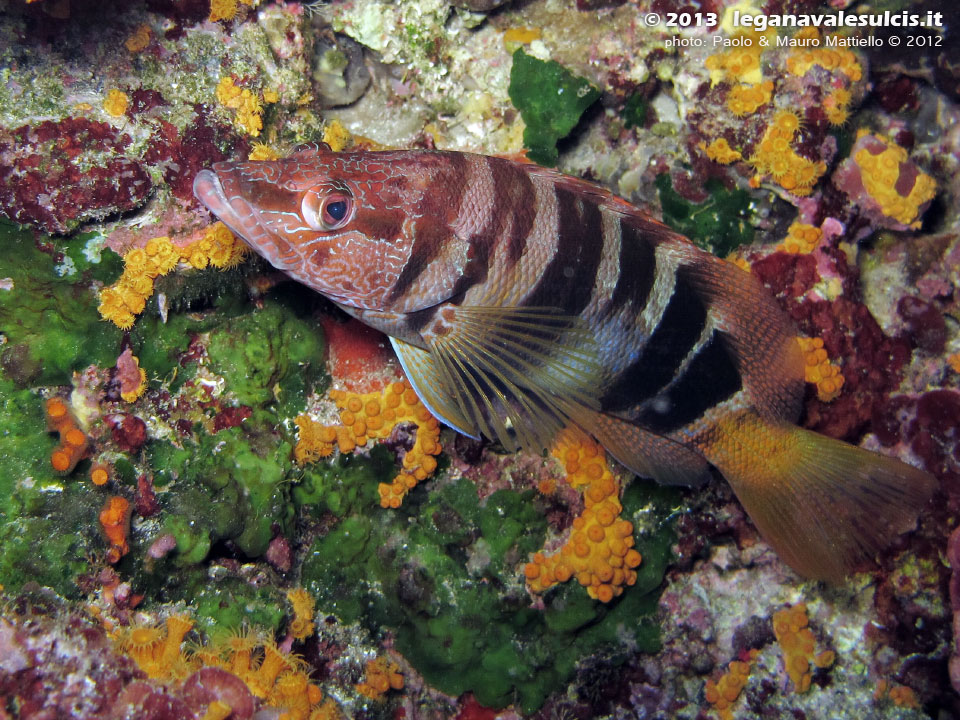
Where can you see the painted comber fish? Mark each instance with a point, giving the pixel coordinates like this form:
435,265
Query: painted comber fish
520,300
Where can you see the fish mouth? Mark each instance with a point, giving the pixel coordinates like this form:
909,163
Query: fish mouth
235,212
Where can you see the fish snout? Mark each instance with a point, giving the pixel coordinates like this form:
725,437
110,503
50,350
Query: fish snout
208,190
232,209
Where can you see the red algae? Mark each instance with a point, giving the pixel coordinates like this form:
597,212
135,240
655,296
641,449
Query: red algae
924,324
871,361
129,432
182,155
229,417
57,174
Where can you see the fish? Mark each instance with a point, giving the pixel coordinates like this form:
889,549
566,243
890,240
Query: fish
521,301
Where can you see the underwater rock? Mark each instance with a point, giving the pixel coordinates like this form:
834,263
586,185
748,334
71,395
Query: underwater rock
57,663
225,520
340,74
479,5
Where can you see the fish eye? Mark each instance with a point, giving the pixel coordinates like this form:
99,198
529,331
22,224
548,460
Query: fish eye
326,210
335,210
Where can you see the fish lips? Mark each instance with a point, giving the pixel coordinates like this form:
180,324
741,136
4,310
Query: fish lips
235,212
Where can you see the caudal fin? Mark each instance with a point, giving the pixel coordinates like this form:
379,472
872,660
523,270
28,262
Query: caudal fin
823,505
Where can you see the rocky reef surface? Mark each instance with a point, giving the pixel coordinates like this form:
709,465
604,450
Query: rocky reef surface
219,498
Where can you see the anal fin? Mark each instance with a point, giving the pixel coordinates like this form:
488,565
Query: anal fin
648,454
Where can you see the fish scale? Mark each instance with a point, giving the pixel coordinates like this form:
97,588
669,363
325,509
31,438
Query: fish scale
521,301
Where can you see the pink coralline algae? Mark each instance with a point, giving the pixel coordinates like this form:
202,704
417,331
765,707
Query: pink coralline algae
58,174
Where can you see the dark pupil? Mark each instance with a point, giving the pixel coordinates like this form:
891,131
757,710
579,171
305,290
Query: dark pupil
337,210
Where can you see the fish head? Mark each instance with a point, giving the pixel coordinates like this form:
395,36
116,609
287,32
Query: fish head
370,230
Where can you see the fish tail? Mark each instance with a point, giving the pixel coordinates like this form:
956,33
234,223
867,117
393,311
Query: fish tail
822,504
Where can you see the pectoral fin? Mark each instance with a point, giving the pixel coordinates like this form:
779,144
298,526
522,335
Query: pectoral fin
518,375
428,383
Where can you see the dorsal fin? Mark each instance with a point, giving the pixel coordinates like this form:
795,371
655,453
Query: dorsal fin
758,331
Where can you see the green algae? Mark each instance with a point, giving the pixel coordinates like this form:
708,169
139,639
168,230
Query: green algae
226,603
634,113
230,486
344,486
719,225
48,524
51,323
25,446
42,550
268,356
550,99
443,573
51,327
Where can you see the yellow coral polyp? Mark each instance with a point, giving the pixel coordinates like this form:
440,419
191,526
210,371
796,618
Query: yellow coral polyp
278,678
521,35
775,157
599,552
217,710
954,362
135,393
157,651
900,695
249,116
835,106
819,371
840,59
801,239
381,675
881,174
720,151
739,64
116,103
790,627
248,107
222,10
301,627
746,99
373,416
140,38
336,136
261,151
721,694
124,300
